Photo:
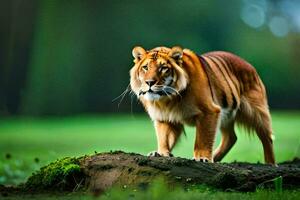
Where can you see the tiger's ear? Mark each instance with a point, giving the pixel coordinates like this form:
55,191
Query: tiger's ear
138,53
176,53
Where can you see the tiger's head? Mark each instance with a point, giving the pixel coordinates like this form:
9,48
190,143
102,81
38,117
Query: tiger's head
158,73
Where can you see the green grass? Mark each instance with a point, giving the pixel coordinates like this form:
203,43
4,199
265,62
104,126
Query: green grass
27,143
159,191
35,142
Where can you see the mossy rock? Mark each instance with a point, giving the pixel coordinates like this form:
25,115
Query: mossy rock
103,171
63,175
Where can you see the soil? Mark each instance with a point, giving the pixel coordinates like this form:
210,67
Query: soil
108,169
119,169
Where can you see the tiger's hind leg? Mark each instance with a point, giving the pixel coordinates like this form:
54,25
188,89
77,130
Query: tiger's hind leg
227,141
264,133
254,115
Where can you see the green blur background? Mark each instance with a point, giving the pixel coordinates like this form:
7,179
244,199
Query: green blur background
64,63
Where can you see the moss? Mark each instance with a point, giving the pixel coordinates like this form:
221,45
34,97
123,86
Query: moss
64,174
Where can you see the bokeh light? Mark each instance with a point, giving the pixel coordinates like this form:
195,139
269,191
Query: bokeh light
282,16
279,26
253,15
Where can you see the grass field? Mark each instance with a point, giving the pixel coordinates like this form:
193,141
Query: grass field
27,143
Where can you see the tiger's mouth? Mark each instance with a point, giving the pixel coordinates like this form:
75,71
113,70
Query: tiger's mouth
160,92
163,92
150,95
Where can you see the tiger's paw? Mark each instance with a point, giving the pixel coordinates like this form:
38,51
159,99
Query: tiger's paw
156,154
202,159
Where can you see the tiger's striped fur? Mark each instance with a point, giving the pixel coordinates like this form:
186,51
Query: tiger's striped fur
211,91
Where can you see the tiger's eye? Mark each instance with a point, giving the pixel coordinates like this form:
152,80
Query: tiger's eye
145,67
164,69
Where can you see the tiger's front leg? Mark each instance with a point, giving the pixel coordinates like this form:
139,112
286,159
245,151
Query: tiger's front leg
167,135
206,128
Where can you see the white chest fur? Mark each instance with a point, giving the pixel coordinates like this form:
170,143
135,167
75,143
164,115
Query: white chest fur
179,113
165,114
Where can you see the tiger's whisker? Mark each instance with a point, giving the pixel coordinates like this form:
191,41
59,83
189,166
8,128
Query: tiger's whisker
171,88
166,93
122,95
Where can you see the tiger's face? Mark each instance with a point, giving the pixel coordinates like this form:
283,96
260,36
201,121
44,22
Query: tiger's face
158,73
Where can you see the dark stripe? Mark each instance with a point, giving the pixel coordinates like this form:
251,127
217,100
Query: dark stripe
234,101
172,75
212,59
226,69
219,67
237,87
221,60
206,65
224,101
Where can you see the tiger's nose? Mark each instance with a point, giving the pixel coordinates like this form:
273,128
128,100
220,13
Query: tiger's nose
150,82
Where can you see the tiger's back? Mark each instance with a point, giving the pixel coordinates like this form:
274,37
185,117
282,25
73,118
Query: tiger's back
231,77
239,91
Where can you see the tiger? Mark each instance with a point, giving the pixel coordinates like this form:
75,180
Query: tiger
212,91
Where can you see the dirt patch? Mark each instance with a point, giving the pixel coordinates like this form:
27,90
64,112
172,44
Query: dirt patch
138,170
102,171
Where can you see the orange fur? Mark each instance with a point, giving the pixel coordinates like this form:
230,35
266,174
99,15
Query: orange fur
210,91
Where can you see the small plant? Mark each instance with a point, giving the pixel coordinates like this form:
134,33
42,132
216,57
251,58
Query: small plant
278,184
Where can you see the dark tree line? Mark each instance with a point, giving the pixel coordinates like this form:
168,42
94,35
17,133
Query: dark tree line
66,57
